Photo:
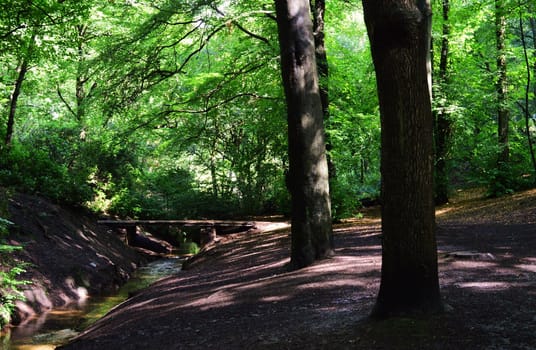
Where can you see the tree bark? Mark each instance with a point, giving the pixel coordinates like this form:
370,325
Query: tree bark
319,10
80,91
443,130
400,32
526,108
503,113
307,178
21,75
532,22
23,69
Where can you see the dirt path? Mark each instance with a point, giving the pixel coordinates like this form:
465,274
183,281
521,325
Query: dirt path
239,294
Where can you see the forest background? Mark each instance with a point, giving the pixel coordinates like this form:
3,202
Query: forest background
175,109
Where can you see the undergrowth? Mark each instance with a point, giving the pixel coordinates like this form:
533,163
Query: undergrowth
10,271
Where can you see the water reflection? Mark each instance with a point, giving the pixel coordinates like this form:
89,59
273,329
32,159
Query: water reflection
57,326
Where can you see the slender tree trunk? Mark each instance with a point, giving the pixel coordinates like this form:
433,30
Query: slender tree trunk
400,32
307,179
532,22
503,113
21,75
527,108
22,70
214,173
319,10
443,130
80,79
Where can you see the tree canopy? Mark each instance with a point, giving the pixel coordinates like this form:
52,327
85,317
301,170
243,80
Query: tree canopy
176,108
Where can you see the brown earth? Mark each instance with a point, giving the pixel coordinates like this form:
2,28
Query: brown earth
238,294
69,256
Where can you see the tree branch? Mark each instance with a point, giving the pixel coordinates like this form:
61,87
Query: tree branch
66,103
253,35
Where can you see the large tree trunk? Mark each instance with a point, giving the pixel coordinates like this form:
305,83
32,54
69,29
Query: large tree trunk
443,123
400,33
308,173
503,113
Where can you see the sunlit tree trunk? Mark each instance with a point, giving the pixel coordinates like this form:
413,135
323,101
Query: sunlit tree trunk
400,33
319,11
443,123
526,108
532,22
503,113
80,76
22,69
21,74
308,172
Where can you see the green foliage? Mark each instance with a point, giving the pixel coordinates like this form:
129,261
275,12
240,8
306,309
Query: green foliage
471,97
354,124
189,248
33,170
10,271
175,109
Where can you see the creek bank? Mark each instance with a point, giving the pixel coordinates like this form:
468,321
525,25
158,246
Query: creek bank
56,327
69,256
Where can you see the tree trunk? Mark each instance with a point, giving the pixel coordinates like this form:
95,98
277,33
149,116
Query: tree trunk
23,69
400,33
307,179
532,22
526,108
21,75
319,10
443,123
80,79
503,113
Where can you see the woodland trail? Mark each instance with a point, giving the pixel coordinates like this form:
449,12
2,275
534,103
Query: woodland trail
239,294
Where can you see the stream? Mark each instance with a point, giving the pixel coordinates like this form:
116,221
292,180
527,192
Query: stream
58,326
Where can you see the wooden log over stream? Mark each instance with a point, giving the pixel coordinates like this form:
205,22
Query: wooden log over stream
208,228
201,223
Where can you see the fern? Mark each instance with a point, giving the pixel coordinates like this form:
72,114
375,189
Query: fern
10,272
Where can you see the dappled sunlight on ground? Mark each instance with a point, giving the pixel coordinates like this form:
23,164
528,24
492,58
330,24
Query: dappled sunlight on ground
491,285
240,294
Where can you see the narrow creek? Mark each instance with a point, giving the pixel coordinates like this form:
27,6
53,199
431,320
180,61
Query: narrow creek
57,326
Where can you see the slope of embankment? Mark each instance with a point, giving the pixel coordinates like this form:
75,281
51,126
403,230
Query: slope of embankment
69,255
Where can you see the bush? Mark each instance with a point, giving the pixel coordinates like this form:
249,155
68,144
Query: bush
32,170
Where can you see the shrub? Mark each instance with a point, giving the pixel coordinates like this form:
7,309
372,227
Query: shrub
32,170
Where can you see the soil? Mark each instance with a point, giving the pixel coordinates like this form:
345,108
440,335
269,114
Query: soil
68,256
239,294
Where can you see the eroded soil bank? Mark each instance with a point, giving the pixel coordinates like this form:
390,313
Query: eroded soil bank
239,294
69,255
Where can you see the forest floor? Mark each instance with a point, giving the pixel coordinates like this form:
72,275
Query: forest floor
239,294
